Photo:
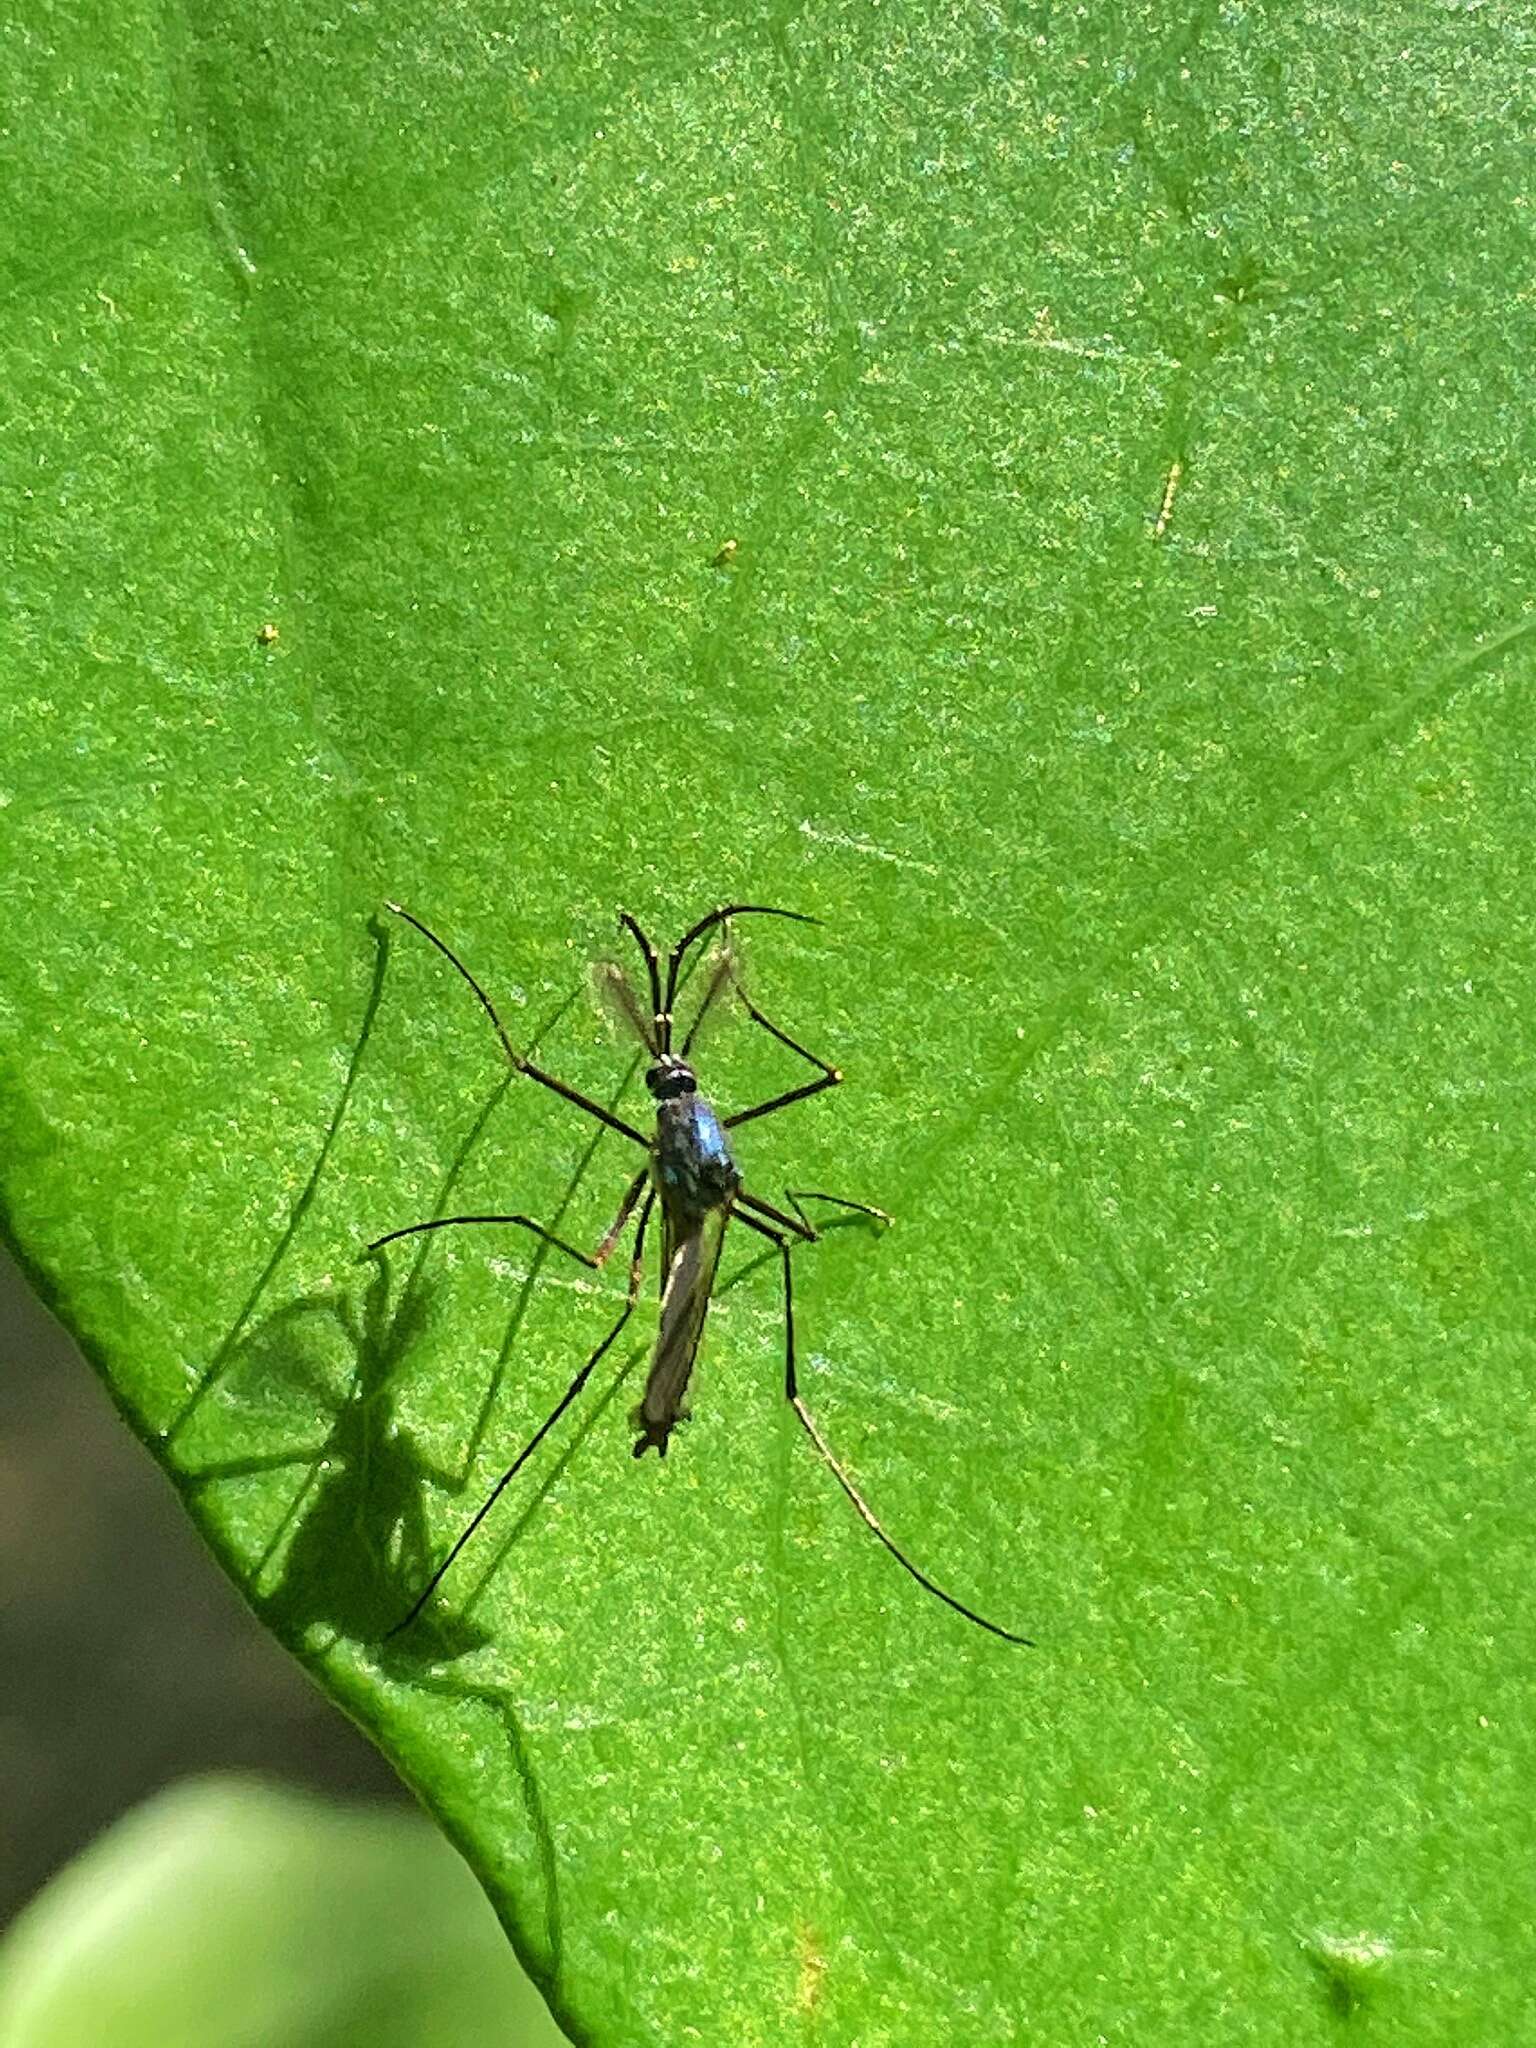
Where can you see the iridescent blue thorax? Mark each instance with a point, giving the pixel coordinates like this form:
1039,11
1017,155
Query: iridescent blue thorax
694,1169
692,1163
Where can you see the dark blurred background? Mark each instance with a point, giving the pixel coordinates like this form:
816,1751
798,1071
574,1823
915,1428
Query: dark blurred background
128,1660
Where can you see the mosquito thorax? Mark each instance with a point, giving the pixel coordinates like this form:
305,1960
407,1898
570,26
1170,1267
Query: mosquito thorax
669,1077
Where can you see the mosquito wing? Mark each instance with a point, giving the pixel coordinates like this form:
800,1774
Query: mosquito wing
616,993
722,972
693,1253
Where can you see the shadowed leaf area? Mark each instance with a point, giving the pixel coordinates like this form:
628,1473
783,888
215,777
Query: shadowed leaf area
1037,492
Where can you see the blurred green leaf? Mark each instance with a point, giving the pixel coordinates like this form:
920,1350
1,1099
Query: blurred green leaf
228,1912
1047,493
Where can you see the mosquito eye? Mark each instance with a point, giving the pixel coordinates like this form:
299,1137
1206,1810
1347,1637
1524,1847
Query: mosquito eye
669,1078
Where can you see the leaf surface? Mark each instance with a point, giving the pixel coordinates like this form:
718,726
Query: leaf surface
1038,492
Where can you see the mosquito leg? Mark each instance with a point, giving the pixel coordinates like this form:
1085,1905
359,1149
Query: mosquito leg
795,1196
594,1260
632,1195
706,924
829,1078
636,1266
662,1020
831,1072
745,1116
474,1443
765,1213
825,1453
522,1066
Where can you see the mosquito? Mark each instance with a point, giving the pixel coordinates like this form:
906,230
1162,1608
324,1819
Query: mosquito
691,1171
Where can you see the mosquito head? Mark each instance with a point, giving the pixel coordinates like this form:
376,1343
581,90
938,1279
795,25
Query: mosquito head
669,1077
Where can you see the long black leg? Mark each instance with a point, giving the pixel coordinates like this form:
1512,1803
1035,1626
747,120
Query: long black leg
765,1212
554,1415
783,1036
663,1020
522,1065
829,1078
824,1451
593,1260
795,1196
745,1116
706,924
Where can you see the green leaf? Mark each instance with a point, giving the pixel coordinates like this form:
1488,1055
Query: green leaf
227,1911
1122,422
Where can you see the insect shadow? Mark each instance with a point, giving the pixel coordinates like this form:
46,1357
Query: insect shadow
350,1545
351,1542
353,1531
240,1329
690,1173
